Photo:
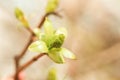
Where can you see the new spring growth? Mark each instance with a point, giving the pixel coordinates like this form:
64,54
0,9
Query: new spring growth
52,75
51,5
50,42
20,16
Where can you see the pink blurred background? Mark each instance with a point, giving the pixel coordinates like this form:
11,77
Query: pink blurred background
93,35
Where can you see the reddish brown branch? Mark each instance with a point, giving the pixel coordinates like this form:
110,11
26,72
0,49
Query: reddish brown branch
57,14
16,68
31,61
42,21
31,31
18,57
46,15
26,47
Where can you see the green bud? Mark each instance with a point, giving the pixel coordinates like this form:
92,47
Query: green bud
51,6
18,13
20,16
57,41
52,74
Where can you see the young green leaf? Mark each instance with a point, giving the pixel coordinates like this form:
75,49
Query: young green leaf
56,56
20,16
52,74
51,6
48,27
61,31
68,54
38,46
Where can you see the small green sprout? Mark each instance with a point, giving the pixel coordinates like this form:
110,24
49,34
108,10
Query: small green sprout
50,42
51,6
20,16
52,75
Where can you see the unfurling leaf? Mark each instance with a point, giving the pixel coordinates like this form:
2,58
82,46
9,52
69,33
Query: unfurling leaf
48,27
51,6
38,46
61,31
20,16
56,56
52,74
57,41
68,54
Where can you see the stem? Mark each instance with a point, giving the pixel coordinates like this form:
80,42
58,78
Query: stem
16,67
31,61
47,14
18,57
26,47
56,14
43,19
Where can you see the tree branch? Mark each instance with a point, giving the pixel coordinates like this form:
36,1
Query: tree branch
46,15
19,57
31,61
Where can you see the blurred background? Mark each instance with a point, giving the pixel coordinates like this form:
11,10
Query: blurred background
93,35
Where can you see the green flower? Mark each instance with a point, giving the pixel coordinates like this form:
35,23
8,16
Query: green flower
50,42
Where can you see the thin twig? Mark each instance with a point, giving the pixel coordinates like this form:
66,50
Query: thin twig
31,31
56,14
31,61
42,21
16,68
46,15
18,57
